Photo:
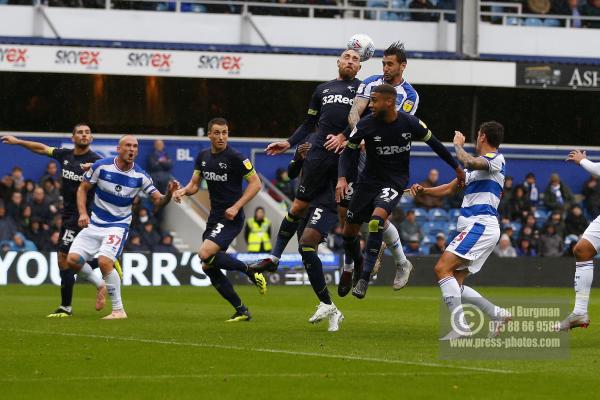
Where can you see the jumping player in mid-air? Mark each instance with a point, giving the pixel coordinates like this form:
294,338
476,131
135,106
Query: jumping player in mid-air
477,224
388,135
407,101
116,182
72,162
224,169
328,113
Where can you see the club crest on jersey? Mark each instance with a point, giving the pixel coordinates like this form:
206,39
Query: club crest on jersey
223,165
406,135
407,106
247,164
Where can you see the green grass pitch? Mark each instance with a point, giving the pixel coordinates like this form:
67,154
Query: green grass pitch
176,345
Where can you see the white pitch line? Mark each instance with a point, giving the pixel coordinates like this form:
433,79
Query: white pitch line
227,376
264,350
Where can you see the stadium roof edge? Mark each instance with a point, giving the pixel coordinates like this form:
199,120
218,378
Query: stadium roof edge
231,48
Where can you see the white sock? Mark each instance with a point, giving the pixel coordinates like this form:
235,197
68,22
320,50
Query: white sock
113,286
451,296
392,241
584,275
87,272
472,296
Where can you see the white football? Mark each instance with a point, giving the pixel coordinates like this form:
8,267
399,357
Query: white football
363,44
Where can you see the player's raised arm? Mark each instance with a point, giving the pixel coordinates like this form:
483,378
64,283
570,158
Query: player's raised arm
470,162
302,132
580,157
254,185
189,189
160,200
36,147
438,147
444,190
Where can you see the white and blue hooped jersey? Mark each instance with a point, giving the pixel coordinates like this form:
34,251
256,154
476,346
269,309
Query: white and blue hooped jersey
115,191
482,193
407,99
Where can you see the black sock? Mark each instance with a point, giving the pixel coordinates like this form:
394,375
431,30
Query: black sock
373,246
352,249
224,287
314,269
93,263
288,228
224,261
67,280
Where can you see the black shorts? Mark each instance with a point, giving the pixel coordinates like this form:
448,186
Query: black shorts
69,230
223,231
323,220
345,202
318,174
370,195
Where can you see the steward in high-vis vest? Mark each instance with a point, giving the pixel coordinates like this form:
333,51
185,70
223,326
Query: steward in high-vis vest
258,232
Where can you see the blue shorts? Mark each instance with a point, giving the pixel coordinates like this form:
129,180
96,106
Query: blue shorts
223,231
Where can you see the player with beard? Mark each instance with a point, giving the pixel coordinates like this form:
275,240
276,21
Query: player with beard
73,161
388,135
328,114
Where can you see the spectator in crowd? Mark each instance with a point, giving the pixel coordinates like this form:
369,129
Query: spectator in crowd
51,172
591,192
28,191
532,192
556,220
257,232
507,195
8,227
38,234
160,166
575,223
284,183
134,244
422,5
571,8
56,223
18,178
550,244
6,188
23,221
509,231
428,201
52,243
558,195
19,243
532,235
397,217
40,208
165,245
518,203
504,248
335,239
409,227
52,192
530,222
591,9
141,218
525,249
150,237
440,244
411,248
15,206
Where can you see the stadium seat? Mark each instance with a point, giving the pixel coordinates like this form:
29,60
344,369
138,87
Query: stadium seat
533,22
407,202
551,22
454,213
435,227
424,249
541,215
428,239
438,214
421,215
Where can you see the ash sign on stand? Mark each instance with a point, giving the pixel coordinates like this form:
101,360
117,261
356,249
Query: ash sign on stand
558,76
